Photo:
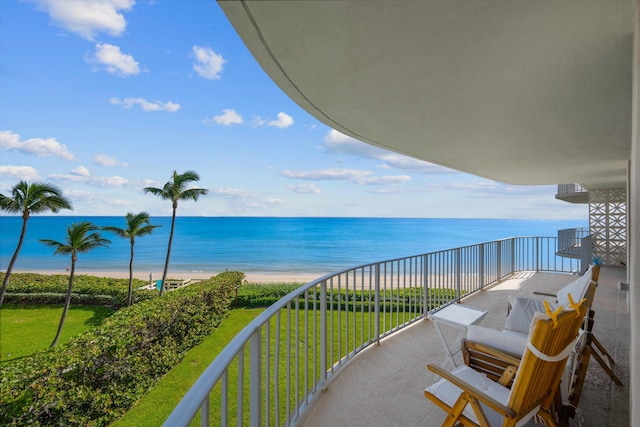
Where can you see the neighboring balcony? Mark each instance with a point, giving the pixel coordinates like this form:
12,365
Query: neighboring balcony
575,243
572,193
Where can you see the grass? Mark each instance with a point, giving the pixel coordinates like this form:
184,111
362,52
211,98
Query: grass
155,407
26,329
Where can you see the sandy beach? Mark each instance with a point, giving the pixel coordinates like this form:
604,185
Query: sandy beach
156,275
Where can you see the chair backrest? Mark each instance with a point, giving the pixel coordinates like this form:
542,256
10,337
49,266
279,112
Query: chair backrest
578,288
539,373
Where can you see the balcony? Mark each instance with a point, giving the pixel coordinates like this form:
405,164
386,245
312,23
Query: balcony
353,347
384,385
572,193
572,243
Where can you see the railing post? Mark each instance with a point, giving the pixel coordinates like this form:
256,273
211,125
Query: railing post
585,253
481,266
376,321
537,254
204,412
425,283
499,259
255,381
513,255
457,273
323,330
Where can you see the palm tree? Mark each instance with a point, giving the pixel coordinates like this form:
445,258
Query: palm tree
77,241
27,198
137,225
174,190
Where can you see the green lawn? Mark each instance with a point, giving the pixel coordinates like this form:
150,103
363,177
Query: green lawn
155,407
25,329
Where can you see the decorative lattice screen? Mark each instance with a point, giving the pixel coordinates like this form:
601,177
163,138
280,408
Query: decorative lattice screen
608,224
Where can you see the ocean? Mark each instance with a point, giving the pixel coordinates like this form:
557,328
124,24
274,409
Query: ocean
261,244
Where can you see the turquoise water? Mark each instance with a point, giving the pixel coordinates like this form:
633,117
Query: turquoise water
256,244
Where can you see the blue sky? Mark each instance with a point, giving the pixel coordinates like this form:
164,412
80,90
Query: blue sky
106,97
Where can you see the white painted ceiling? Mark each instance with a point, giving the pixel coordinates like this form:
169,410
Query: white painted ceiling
519,91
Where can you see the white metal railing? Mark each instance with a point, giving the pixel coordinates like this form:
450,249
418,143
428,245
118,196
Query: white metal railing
571,188
299,343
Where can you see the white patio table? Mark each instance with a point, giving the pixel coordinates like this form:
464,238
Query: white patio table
458,316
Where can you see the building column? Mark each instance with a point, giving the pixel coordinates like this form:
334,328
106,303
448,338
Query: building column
633,232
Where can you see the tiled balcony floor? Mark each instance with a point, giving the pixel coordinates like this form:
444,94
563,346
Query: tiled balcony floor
384,385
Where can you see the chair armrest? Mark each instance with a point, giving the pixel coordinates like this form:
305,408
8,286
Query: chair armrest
473,391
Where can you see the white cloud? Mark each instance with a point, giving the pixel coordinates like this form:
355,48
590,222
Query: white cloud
80,171
208,64
146,105
227,118
357,176
284,121
104,160
114,60
303,188
98,181
258,121
492,189
244,199
24,173
40,147
87,17
337,142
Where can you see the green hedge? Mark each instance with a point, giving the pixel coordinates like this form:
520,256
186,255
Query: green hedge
97,376
49,286
264,295
54,298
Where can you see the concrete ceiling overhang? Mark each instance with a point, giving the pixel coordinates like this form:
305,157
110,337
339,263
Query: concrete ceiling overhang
519,91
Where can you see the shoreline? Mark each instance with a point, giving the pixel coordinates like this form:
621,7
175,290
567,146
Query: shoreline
252,277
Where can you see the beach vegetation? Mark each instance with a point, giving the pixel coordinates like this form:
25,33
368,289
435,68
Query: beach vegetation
138,225
397,300
81,237
33,288
26,199
97,376
176,189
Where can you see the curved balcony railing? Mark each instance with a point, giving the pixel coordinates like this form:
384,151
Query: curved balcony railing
296,346
573,193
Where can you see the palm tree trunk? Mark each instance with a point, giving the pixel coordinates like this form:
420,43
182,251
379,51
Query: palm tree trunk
130,296
66,303
166,263
5,282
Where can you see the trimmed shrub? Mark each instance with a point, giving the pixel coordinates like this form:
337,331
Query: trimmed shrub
263,295
97,376
54,298
50,285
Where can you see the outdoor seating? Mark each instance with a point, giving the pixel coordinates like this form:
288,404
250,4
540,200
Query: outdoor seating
490,351
471,398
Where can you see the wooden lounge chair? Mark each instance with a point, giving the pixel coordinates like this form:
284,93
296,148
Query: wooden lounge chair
472,399
490,351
